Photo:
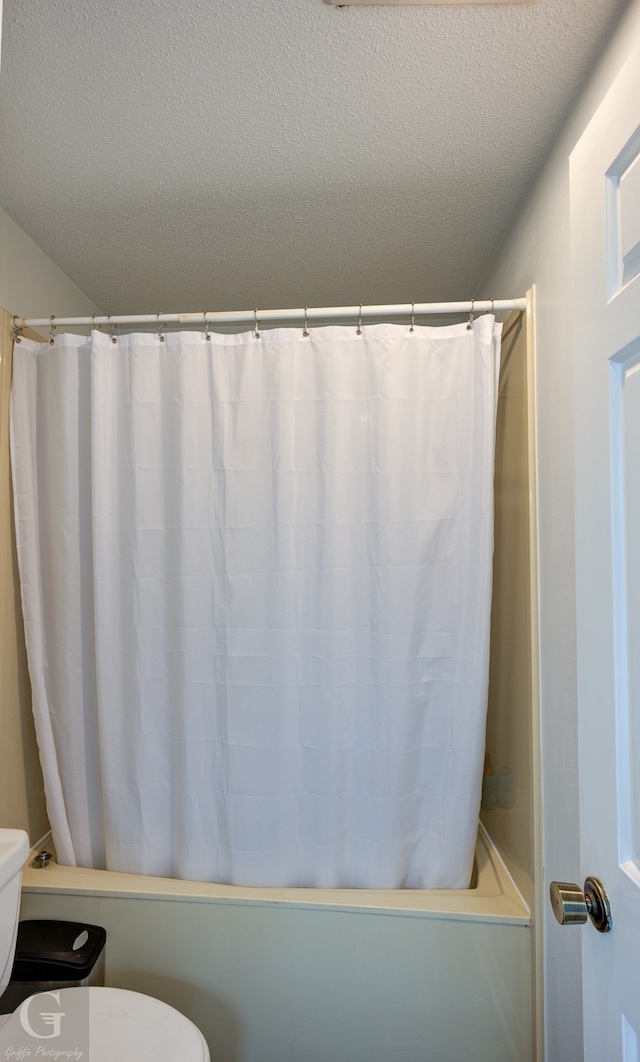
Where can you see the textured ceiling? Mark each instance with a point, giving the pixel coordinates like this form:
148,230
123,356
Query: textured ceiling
205,155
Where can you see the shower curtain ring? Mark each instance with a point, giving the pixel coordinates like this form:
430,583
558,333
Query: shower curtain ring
112,329
491,310
207,333
305,330
16,329
159,332
413,317
470,323
256,325
359,328
52,331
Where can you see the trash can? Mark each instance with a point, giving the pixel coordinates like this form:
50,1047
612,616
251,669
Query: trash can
51,955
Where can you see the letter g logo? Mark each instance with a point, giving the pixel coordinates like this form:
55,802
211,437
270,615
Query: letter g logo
54,1019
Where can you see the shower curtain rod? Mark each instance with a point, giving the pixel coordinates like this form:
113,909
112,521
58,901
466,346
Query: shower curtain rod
255,317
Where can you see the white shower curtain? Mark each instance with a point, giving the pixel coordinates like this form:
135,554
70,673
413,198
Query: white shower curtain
256,581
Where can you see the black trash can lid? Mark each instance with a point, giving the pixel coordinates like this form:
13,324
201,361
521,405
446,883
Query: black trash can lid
48,950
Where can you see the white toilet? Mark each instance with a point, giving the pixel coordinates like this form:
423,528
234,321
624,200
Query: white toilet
122,1025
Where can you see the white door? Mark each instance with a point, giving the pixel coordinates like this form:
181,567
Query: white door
605,247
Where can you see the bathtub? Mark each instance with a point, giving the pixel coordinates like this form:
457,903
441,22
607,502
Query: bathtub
312,975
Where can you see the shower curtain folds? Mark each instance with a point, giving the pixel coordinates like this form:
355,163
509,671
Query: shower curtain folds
256,583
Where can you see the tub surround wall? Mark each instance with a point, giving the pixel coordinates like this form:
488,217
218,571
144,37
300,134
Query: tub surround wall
22,803
512,708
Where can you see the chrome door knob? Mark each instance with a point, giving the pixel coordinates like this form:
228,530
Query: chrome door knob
572,906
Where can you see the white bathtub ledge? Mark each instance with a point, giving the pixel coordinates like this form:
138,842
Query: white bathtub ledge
496,898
